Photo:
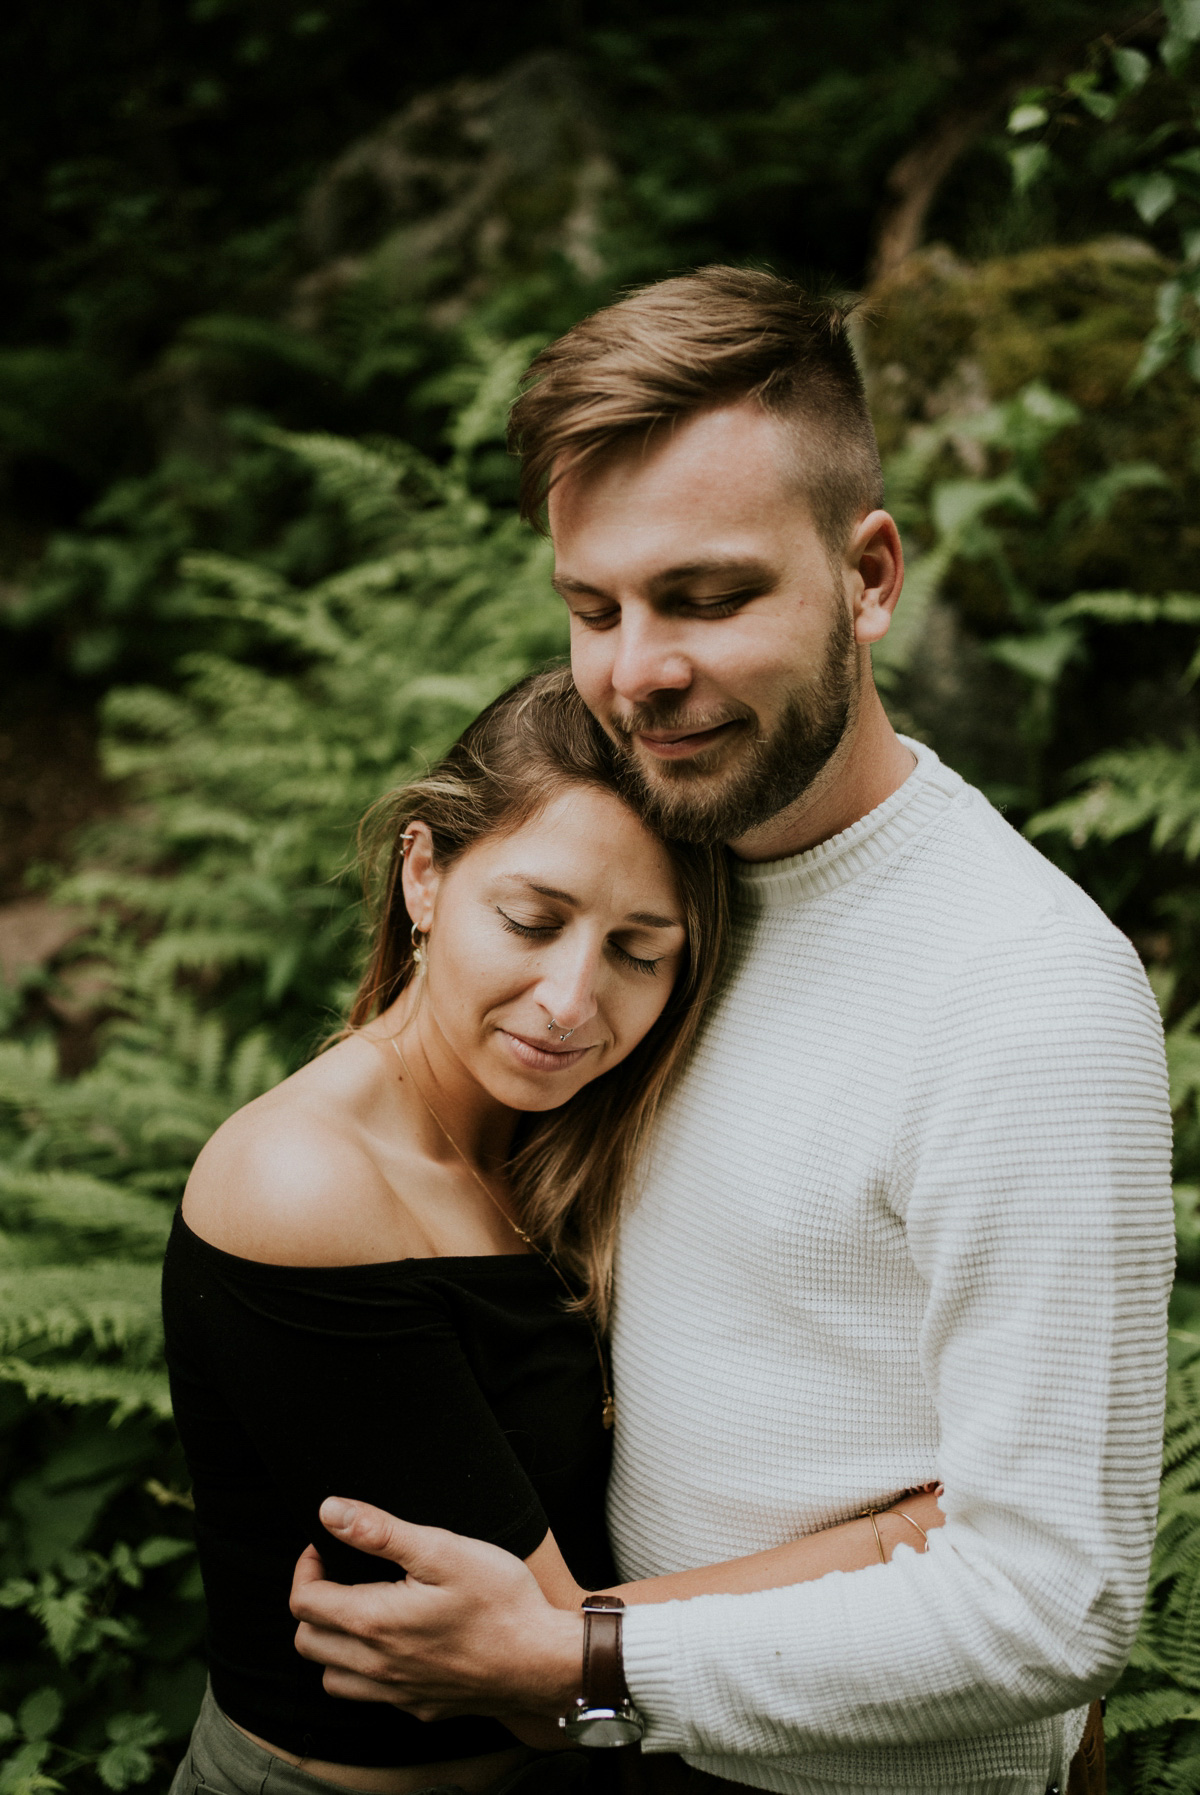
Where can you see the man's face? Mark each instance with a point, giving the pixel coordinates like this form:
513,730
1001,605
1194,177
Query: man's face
709,632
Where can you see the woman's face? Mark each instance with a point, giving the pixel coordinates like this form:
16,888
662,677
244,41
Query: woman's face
572,918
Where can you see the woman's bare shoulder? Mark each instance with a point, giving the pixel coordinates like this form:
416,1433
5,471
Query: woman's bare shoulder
290,1179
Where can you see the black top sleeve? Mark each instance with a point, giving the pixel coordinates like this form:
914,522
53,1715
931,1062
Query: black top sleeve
350,1385
456,1393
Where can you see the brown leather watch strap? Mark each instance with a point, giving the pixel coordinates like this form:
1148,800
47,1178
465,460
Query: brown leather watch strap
603,1672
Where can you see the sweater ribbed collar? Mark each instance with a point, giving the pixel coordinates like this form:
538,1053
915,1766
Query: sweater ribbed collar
929,788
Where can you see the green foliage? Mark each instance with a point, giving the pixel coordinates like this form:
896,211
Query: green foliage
1043,432
1162,181
1153,1722
292,543
225,920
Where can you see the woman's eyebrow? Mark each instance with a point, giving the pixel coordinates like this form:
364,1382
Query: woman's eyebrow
648,919
550,891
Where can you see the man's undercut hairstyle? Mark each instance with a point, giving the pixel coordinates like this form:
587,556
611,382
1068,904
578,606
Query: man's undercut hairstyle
718,337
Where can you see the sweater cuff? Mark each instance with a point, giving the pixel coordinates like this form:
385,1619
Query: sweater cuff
650,1649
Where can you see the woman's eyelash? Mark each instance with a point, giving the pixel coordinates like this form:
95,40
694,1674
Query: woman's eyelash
538,932
534,931
628,959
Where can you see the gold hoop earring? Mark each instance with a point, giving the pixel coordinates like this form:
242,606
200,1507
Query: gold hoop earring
418,947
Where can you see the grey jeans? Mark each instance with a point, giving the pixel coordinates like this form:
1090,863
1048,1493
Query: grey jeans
220,1760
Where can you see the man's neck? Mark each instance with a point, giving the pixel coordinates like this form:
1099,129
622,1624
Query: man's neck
869,765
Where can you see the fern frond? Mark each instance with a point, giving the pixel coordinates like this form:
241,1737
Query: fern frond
1130,607
1141,1710
108,1303
363,482
89,1208
130,1390
1155,787
1177,1627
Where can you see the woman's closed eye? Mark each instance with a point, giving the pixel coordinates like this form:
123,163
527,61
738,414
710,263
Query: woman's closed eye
533,931
542,931
625,958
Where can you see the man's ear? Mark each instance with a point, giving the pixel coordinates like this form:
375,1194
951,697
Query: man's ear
420,878
876,556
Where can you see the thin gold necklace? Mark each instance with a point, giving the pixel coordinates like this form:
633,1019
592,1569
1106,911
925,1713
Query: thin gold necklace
608,1411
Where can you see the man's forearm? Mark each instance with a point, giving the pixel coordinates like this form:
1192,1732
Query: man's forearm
549,1664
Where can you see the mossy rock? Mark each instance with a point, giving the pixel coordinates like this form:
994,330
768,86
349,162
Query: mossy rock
941,340
943,337
1073,317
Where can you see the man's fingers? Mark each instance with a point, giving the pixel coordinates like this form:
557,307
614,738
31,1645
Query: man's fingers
344,1651
348,1685
426,1553
309,1568
352,1686
349,1667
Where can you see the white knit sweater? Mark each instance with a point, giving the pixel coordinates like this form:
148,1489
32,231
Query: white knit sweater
907,1217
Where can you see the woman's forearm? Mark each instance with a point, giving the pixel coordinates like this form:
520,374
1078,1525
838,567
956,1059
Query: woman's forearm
851,1546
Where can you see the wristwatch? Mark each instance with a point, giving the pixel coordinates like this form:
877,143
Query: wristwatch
603,1715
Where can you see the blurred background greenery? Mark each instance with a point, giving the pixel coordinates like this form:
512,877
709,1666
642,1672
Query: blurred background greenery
271,273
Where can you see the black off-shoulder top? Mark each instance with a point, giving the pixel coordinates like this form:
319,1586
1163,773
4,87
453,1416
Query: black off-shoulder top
453,1392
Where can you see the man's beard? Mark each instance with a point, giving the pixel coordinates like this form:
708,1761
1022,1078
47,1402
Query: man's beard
684,802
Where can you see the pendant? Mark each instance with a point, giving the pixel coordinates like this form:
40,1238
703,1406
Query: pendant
608,1414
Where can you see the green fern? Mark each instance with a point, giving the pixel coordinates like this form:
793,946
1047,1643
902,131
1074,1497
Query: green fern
1155,787
111,1304
1143,1710
75,1208
120,1389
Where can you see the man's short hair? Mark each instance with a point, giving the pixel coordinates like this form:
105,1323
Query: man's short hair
683,346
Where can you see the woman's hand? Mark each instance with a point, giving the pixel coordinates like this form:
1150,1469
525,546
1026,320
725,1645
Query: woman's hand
909,1521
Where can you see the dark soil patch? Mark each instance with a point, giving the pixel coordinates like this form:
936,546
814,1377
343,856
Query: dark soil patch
50,778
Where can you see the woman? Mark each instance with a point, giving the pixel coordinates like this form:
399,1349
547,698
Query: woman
390,1274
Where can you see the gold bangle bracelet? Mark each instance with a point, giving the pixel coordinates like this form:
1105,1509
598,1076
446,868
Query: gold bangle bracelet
869,1515
912,1523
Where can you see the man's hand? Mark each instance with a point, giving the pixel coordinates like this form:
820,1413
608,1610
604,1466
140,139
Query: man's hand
467,1631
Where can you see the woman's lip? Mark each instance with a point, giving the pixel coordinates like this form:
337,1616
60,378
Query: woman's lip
537,1058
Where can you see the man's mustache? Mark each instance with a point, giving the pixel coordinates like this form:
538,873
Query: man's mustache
645,718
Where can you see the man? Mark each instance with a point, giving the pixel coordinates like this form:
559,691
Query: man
907,1215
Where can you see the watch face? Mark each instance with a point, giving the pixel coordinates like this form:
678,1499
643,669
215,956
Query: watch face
604,1727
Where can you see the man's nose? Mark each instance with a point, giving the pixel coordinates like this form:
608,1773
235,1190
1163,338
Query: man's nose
649,658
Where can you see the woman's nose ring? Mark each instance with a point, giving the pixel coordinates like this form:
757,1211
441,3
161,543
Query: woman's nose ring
564,1034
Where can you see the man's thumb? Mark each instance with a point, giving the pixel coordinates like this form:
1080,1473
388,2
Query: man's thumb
373,1530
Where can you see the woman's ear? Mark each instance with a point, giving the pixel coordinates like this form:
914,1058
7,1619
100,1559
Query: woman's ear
420,878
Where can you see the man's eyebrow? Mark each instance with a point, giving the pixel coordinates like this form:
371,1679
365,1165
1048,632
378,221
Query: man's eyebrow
564,584
737,567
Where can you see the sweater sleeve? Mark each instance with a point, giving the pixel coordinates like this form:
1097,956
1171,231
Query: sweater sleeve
1032,1176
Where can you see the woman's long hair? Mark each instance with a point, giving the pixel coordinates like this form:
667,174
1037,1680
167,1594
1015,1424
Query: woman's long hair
570,1167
